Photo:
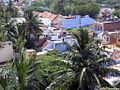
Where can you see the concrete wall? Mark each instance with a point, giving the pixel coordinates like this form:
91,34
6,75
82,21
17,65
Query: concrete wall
6,51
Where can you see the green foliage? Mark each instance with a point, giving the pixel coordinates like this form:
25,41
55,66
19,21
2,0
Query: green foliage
67,7
117,13
24,69
91,9
48,67
83,69
7,77
53,52
37,4
26,74
32,24
89,66
81,7
11,9
7,29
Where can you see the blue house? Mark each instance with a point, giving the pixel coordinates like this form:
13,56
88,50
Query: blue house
77,21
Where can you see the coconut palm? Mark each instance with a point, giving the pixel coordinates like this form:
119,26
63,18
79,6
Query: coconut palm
32,24
89,67
31,28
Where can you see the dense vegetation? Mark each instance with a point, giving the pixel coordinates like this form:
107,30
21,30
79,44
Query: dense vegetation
67,7
82,67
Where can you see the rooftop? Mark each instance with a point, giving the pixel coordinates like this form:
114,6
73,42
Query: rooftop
116,55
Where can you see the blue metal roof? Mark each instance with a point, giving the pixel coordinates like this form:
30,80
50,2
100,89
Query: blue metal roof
71,23
77,22
87,21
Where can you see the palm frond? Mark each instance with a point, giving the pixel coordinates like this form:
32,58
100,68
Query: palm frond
81,76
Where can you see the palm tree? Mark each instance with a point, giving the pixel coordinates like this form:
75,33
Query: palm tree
31,28
24,69
18,74
89,67
32,24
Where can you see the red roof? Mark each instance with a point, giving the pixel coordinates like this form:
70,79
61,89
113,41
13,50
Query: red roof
116,55
40,42
52,17
46,14
55,18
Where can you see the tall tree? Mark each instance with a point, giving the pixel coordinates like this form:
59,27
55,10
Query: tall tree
32,24
31,28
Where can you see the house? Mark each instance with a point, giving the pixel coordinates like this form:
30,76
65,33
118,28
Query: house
106,13
76,21
6,51
49,19
111,38
59,21
55,42
109,26
116,55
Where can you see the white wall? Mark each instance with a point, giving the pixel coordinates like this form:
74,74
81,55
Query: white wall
58,45
46,21
6,51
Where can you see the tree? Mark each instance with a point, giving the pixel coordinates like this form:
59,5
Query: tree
11,9
66,7
47,69
89,67
60,6
91,9
30,29
24,69
8,29
32,24
117,13
18,74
